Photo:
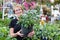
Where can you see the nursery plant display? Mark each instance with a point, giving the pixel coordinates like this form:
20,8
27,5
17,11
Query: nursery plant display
30,20
47,32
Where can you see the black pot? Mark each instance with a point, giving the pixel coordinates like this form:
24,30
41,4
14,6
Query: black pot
43,38
26,31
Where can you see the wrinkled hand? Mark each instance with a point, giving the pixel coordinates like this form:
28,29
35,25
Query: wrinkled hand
20,34
31,34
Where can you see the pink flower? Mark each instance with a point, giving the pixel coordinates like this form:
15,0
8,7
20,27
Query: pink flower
33,5
28,5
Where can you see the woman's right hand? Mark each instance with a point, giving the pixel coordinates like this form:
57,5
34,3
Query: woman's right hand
20,34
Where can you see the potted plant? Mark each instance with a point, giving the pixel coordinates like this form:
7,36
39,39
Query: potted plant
27,21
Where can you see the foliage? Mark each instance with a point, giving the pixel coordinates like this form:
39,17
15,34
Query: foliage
57,2
48,2
4,30
49,30
5,22
38,9
29,18
4,33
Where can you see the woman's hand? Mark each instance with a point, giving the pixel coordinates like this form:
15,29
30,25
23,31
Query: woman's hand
20,34
31,34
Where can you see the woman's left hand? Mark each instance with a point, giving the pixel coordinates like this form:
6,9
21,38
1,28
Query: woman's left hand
31,34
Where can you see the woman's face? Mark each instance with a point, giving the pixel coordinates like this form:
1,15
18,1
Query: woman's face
18,11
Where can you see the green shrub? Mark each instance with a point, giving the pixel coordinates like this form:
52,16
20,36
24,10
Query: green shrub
49,31
4,22
4,30
29,18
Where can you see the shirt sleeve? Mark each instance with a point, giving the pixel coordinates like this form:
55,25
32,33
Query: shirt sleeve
12,23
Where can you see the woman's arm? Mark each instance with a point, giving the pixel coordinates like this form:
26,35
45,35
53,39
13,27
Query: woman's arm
12,34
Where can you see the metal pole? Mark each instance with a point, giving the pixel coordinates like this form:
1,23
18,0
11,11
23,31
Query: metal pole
51,9
41,7
3,11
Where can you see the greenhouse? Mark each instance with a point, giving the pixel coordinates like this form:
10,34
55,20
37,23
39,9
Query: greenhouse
29,19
